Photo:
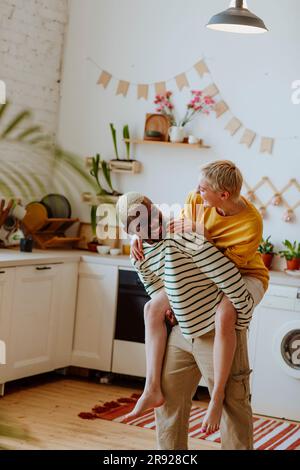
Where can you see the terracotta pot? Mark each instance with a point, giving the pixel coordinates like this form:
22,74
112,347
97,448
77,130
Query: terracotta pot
92,246
267,259
293,264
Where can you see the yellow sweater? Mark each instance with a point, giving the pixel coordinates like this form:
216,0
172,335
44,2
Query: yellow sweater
237,236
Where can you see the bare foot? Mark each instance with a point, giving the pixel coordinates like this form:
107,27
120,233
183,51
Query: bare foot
149,399
211,422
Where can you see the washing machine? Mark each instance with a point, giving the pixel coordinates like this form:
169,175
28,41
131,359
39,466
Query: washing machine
274,351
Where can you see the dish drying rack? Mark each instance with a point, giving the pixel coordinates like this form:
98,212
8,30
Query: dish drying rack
50,233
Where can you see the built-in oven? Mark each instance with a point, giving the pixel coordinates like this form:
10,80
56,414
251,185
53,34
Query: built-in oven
132,298
129,339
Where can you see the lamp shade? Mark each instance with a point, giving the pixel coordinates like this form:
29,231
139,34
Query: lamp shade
237,19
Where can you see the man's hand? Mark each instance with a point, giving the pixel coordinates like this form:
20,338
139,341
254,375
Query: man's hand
170,317
186,225
136,249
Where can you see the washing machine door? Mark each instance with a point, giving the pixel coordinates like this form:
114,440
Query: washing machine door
286,348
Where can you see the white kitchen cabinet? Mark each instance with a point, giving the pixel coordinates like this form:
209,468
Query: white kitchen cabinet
95,316
6,296
41,319
34,319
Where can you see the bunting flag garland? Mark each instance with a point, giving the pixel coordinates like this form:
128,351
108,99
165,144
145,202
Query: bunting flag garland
266,145
182,81
143,91
233,126
123,88
160,88
248,138
201,68
220,108
104,79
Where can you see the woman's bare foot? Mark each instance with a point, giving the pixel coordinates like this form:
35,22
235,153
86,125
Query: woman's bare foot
211,422
149,399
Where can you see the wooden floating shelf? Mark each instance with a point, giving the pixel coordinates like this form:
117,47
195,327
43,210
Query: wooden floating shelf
120,166
170,144
94,200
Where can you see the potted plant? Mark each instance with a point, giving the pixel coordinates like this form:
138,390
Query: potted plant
122,165
291,254
266,248
103,196
198,104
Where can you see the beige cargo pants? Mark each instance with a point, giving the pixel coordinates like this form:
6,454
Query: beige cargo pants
186,360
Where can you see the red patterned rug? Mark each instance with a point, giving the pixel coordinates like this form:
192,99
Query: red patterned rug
269,433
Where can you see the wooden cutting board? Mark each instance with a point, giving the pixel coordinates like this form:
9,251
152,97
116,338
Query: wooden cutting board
36,216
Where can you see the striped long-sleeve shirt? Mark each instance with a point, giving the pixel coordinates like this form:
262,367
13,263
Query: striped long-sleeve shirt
195,275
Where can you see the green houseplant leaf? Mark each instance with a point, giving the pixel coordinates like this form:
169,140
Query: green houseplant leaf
126,136
291,252
114,137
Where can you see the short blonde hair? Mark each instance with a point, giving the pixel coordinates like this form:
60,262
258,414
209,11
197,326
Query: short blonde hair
223,175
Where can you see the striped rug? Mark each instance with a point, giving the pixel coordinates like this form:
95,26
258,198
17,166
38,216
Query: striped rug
269,433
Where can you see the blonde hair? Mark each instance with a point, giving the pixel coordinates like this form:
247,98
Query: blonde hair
223,175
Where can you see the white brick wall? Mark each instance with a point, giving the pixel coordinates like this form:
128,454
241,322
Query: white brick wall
31,47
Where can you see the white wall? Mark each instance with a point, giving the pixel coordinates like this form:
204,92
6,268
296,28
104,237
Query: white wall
143,42
31,43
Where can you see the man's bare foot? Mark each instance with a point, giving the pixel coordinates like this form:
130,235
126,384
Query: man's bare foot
211,422
149,399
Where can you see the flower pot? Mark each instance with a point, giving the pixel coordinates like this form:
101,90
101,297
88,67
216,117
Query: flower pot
293,264
176,134
92,246
267,259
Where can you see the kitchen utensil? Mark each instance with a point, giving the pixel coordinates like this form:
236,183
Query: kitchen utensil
36,216
57,205
26,244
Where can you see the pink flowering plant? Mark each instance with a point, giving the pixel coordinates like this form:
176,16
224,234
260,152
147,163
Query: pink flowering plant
199,103
165,106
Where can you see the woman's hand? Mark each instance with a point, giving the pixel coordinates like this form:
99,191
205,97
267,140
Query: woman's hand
136,249
186,226
181,226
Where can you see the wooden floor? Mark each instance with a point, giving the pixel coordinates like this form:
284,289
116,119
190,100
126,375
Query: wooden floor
49,410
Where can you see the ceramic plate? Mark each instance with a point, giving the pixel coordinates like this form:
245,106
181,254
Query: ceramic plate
58,206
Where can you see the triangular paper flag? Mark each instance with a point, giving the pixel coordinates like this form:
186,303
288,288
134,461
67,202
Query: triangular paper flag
181,81
211,90
104,79
221,108
123,88
248,138
160,88
233,126
201,68
266,145
143,91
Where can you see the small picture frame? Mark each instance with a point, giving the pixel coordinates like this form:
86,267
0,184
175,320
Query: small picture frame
86,236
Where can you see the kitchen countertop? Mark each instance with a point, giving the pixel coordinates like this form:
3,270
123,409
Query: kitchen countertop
13,257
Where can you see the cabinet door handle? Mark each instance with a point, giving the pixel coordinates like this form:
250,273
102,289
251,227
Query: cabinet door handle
43,268
2,272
